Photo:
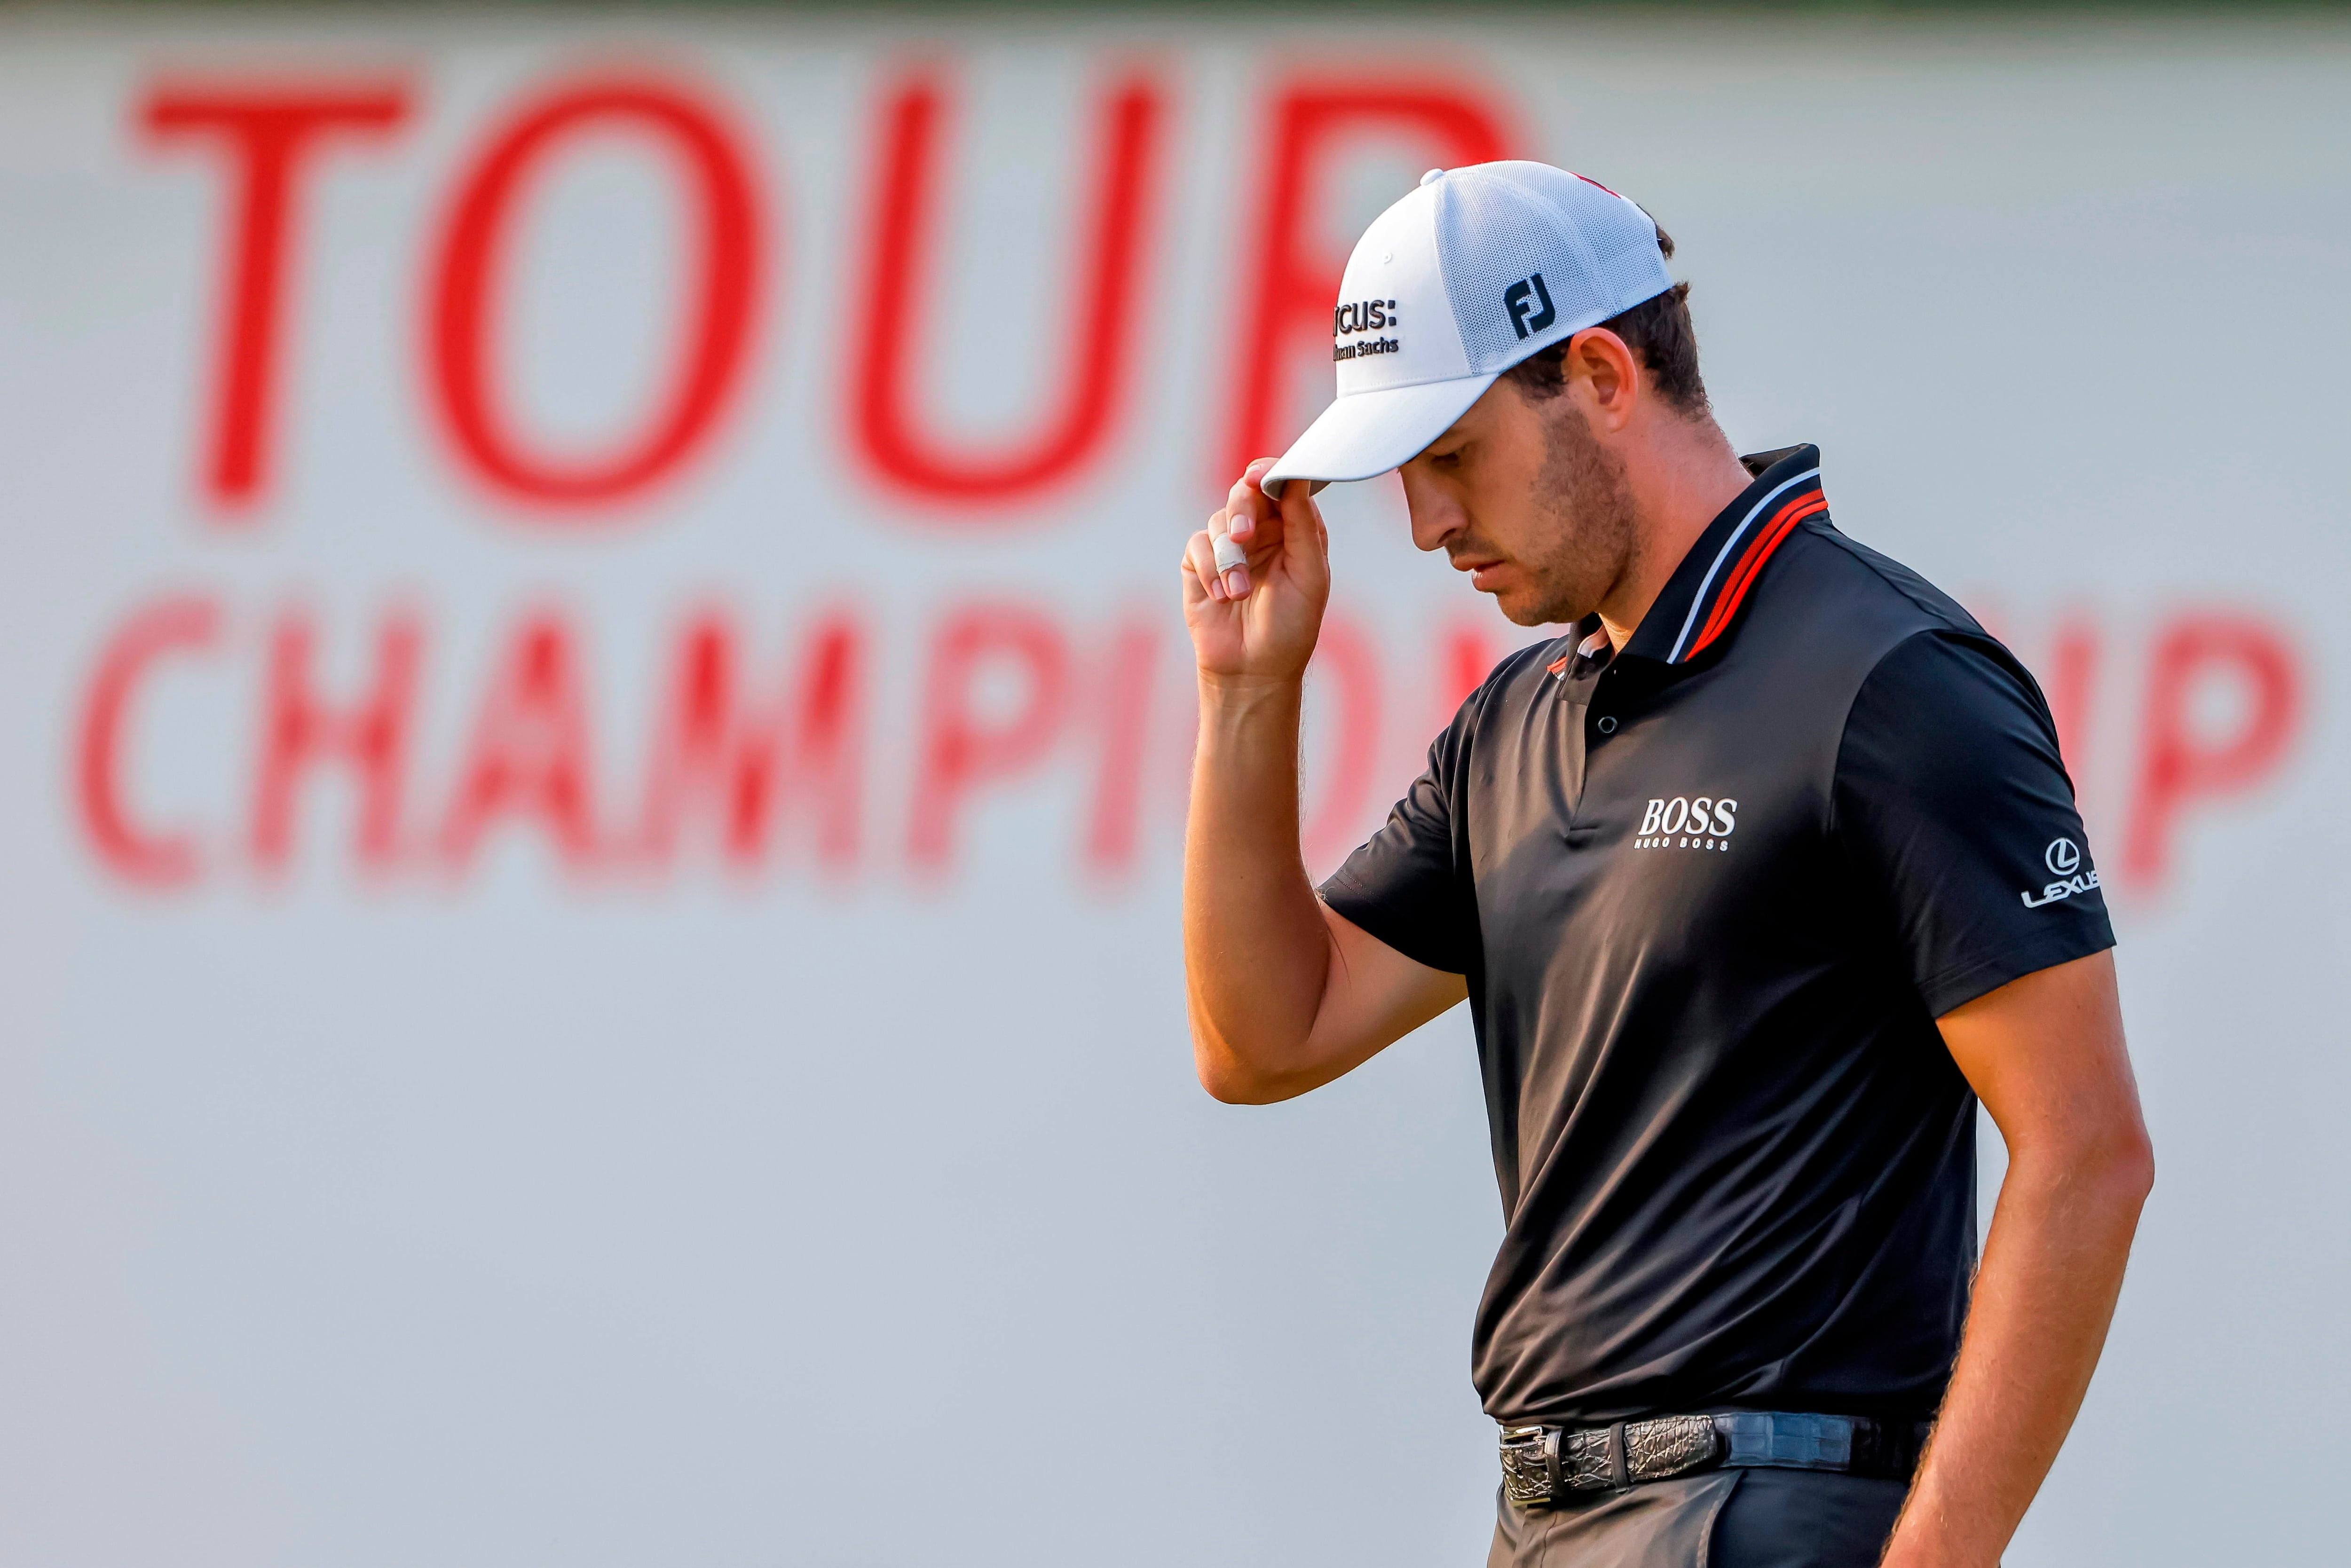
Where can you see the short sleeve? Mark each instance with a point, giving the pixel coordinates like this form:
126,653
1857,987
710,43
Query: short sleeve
1406,886
1951,801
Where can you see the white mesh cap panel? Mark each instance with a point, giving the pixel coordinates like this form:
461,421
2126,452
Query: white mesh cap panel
1623,237
1525,245
1492,237
1629,260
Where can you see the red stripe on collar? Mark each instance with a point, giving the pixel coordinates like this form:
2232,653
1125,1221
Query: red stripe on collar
1811,503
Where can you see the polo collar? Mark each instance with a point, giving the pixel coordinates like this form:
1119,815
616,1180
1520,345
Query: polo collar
1704,596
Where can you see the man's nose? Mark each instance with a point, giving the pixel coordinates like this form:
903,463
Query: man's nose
1436,516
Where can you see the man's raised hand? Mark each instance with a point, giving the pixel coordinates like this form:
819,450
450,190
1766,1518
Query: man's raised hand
1256,617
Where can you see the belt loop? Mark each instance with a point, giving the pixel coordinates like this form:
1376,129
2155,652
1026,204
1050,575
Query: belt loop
1620,1474
1551,1438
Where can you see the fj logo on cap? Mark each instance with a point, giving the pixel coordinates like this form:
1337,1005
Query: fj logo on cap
1528,303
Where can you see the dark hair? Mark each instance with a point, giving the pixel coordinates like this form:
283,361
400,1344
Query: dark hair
1659,333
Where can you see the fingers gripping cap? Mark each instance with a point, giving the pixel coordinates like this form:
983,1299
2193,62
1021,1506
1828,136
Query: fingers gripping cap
1473,271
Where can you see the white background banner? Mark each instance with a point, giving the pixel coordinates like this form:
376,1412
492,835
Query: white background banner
595,731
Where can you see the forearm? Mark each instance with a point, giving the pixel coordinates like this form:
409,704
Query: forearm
1257,952
2052,1269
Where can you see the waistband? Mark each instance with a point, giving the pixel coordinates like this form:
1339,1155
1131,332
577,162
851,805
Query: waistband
1545,1464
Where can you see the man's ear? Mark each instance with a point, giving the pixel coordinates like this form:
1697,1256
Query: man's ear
1601,365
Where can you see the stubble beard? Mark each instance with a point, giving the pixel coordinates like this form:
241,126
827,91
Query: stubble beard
1586,529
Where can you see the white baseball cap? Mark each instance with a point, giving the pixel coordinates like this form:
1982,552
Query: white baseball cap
1474,270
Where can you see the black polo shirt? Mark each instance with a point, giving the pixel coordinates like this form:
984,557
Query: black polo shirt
1711,896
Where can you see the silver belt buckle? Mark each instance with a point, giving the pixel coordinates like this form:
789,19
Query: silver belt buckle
1530,1464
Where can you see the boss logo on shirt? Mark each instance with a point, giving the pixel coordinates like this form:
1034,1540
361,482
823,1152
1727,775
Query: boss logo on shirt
1688,822
2063,859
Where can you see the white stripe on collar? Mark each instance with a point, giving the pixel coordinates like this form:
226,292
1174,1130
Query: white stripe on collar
1698,601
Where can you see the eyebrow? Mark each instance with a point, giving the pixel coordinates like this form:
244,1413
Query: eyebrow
1449,431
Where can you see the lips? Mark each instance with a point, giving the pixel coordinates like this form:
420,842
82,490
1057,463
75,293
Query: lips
1481,570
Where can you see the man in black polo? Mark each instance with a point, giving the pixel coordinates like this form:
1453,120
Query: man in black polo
1754,880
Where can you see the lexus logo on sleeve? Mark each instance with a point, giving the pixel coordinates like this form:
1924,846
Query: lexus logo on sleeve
2063,859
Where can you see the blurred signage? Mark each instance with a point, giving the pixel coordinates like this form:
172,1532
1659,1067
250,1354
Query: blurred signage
598,731
757,737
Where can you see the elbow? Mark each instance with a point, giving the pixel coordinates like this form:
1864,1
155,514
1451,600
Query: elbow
2123,1160
2109,1171
1227,1087
1230,1080
1229,1083
2133,1167
2117,1169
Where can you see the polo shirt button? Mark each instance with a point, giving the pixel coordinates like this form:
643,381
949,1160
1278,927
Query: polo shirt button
1608,723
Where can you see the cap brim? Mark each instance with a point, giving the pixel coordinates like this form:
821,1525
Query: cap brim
1372,431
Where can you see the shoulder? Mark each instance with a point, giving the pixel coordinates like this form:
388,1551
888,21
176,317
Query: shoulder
1968,686
1862,617
1845,578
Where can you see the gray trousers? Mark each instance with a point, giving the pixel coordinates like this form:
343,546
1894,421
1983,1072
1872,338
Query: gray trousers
1724,1519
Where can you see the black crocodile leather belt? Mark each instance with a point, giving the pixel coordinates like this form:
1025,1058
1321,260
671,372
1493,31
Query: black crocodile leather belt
1546,1464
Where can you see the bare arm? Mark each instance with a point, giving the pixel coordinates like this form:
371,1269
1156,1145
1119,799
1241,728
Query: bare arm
1285,993
2045,1054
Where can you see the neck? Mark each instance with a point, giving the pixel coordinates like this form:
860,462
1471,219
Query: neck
1680,476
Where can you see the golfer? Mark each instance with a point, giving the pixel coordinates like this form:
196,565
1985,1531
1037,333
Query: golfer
1755,878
